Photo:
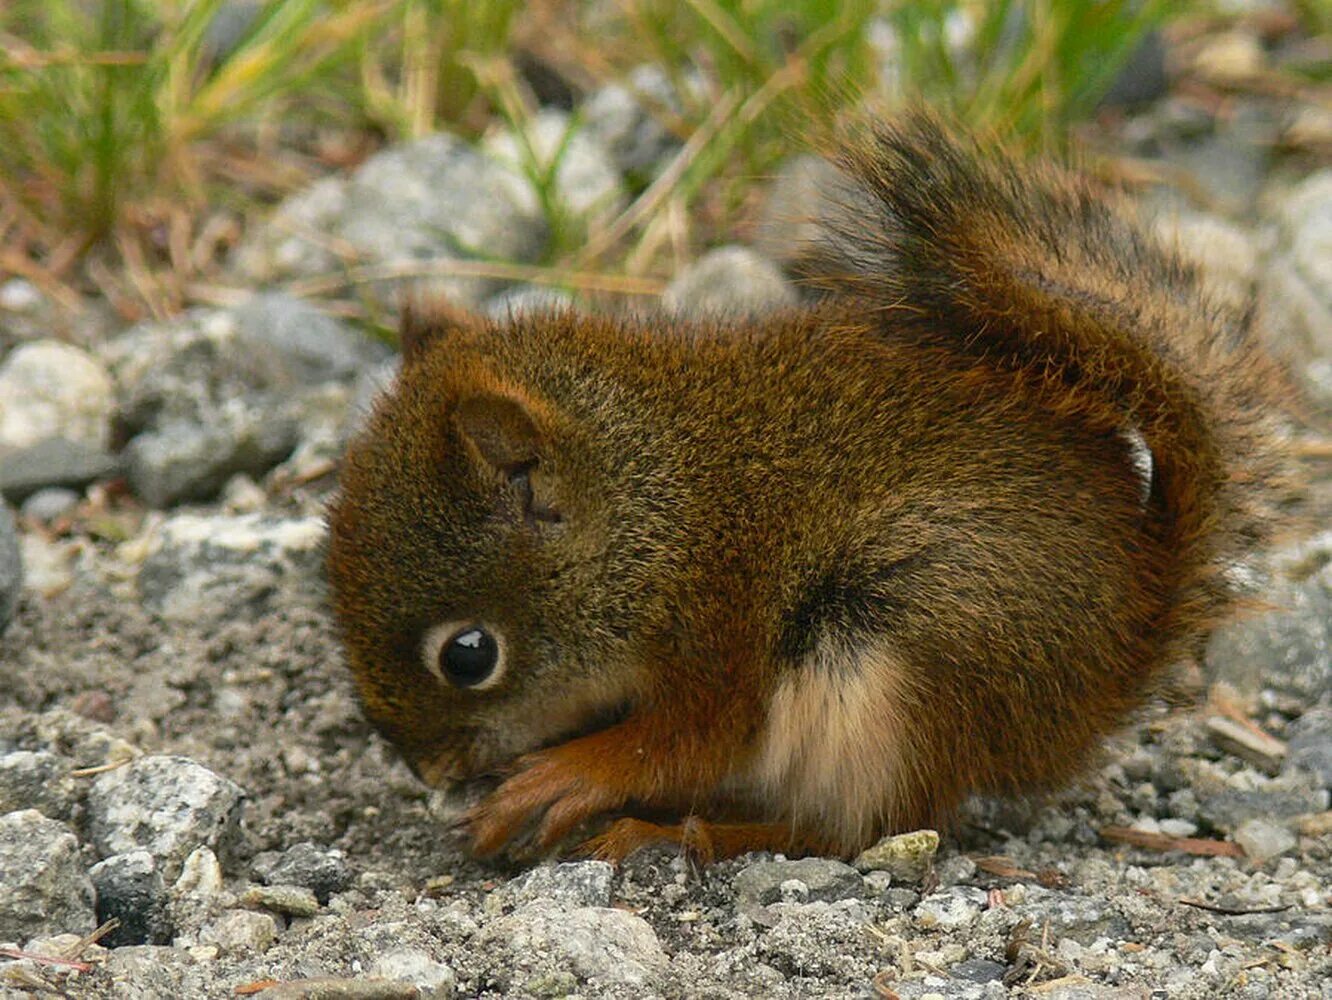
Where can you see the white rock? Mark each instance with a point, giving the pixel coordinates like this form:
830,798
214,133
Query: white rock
245,931
586,180
434,980
168,806
578,883
728,280
610,946
1263,840
957,908
49,389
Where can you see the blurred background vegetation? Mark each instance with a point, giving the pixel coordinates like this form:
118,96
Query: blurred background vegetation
139,138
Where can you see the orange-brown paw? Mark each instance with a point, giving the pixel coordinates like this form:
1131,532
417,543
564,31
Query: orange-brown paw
548,796
625,836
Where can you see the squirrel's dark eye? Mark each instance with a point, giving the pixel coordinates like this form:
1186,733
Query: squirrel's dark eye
469,658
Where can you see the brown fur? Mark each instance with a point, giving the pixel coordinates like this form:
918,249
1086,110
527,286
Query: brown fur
822,574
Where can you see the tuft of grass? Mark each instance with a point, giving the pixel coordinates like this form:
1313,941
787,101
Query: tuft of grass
1022,68
419,72
781,63
115,116
103,104
752,75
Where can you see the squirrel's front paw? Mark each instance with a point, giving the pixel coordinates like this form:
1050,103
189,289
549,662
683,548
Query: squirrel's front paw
551,793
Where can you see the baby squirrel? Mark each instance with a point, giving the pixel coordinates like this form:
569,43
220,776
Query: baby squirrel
797,581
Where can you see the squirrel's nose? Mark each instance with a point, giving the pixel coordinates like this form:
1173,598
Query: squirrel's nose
440,771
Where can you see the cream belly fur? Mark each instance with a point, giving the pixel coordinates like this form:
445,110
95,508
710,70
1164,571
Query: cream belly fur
831,756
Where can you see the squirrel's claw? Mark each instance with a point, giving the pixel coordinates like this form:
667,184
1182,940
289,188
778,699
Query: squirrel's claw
548,789
627,835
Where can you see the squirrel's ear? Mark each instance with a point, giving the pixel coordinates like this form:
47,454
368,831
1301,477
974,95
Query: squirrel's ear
424,323
502,429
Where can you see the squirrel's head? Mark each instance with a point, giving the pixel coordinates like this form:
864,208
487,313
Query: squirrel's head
480,610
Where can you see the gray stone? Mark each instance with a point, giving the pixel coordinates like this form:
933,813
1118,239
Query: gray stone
1143,76
437,188
585,182
1318,382
37,780
322,870
19,295
578,883
1228,58
198,895
203,402
432,199
1083,918
214,566
1226,801
1228,166
184,369
185,461
627,119
308,345
46,890
728,280
168,806
289,244
230,24
1288,649
821,939
53,462
50,504
11,566
1226,255
334,988
433,980
978,970
1309,744
1263,840
130,889
51,389
607,947
154,972
825,879
1296,295
800,195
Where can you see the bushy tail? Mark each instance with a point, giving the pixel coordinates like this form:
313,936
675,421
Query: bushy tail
1027,268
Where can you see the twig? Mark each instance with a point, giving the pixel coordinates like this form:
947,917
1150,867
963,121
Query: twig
65,963
1160,842
82,944
1003,867
657,192
880,985
88,772
1231,911
588,280
258,986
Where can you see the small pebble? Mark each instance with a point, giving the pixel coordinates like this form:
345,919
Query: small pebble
293,900
49,504
908,857
242,931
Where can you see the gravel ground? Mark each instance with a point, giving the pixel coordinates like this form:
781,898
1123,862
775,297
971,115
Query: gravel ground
180,749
